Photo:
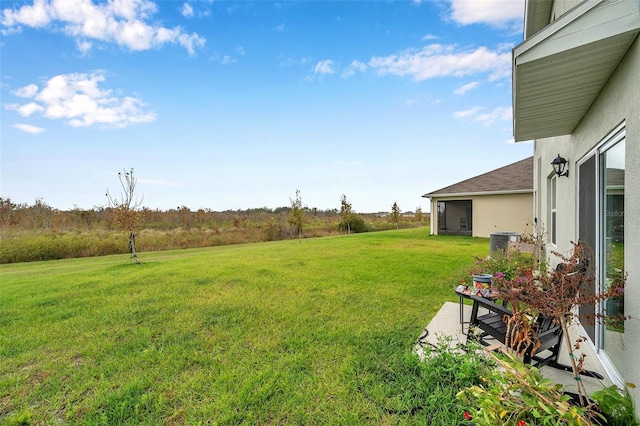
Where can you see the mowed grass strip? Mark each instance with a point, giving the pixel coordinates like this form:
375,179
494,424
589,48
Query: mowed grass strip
268,333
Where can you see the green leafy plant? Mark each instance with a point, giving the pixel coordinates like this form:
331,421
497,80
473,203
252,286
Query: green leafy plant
402,384
353,224
617,405
511,263
517,394
395,214
297,216
349,220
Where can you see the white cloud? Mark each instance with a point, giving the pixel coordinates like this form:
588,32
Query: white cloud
467,113
353,67
27,109
430,37
324,67
36,16
438,60
486,118
77,99
28,128
491,12
497,114
117,21
84,46
466,87
288,61
187,10
27,91
226,59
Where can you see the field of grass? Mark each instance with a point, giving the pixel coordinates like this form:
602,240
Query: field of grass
51,244
286,332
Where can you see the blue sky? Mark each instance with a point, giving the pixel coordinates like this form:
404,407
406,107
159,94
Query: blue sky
234,105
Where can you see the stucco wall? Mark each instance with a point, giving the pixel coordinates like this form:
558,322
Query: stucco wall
617,102
510,212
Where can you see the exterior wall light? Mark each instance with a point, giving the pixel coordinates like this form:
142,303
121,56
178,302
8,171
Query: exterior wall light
559,166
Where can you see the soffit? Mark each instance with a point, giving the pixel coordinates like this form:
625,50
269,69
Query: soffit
558,73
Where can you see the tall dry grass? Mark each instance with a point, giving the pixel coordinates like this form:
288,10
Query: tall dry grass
37,244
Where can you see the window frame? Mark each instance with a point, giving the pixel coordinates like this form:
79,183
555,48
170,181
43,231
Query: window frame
553,209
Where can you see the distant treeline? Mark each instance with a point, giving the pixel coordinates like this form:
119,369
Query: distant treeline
41,232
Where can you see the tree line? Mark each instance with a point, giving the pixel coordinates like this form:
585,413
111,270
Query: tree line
40,216
39,231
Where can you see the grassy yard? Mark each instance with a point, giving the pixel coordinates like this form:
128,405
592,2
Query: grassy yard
268,333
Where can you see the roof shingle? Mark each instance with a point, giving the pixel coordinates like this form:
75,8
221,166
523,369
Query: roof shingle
516,177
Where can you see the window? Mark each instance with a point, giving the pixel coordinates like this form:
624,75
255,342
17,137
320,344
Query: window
601,184
611,250
553,206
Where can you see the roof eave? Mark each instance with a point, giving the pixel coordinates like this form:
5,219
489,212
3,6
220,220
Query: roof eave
536,16
559,71
475,194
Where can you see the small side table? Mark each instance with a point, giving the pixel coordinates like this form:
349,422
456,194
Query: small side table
462,295
466,295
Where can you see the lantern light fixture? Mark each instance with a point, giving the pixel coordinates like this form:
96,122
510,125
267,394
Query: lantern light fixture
560,166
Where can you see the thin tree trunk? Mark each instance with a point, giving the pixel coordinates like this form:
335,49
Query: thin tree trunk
132,248
572,359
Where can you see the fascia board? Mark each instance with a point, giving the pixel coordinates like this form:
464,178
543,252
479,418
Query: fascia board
607,21
472,194
554,27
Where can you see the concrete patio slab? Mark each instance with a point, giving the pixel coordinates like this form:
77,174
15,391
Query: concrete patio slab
447,323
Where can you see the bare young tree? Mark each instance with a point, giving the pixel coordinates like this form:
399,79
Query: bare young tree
125,209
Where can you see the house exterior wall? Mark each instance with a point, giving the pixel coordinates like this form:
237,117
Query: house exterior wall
617,102
495,213
491,213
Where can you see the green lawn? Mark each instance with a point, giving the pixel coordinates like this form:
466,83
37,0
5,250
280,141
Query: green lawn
268,333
